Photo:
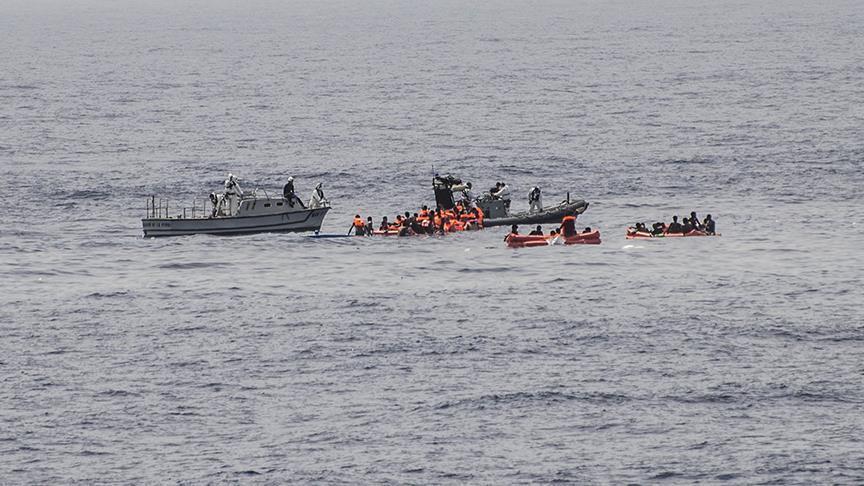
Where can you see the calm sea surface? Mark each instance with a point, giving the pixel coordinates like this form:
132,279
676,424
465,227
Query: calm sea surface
279,358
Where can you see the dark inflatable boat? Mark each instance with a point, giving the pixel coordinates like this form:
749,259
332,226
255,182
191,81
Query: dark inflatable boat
496,211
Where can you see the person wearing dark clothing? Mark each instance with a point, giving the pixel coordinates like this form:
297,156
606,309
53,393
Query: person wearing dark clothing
695,221
686,227
288,192
658,228
514,231
537,232
709,225
674,226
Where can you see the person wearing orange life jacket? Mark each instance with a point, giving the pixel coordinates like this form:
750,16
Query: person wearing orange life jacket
568,225
438,220
424,213
457,225
479,211
359,226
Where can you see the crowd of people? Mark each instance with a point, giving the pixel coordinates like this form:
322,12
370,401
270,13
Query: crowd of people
687,225
425,222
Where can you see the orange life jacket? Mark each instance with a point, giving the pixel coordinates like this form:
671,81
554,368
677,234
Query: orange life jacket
457,225
359,223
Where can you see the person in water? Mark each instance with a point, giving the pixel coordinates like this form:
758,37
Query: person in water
369,226
708,226
586,230
537,232
568,225
358,226
674,226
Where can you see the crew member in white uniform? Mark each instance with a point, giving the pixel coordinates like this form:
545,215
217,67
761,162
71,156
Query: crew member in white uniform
318,200
233,194
467,196
504,194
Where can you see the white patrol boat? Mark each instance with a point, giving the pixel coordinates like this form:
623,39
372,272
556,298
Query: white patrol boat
236,213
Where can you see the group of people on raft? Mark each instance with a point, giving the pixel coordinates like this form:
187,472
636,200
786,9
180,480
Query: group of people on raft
567,229
425,222
687,225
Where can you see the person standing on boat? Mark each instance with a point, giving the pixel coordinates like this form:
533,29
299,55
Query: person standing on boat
318,200
503,194
467,196
535,202
233,194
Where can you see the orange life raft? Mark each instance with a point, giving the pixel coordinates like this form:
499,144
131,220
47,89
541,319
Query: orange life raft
523,241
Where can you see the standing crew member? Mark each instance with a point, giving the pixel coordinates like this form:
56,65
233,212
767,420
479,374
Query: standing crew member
233,194
318,200
467,196
535,203
503,194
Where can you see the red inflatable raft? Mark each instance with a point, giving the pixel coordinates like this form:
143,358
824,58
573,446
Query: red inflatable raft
632,234
523,241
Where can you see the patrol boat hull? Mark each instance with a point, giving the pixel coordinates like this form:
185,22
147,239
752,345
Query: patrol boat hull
549,215
254,216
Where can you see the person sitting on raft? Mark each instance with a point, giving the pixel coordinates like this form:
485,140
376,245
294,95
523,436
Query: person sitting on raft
708,225
686,227
586,230
537,232
555,238
514,231
385,225
695,221
674,226
568,225
658,228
